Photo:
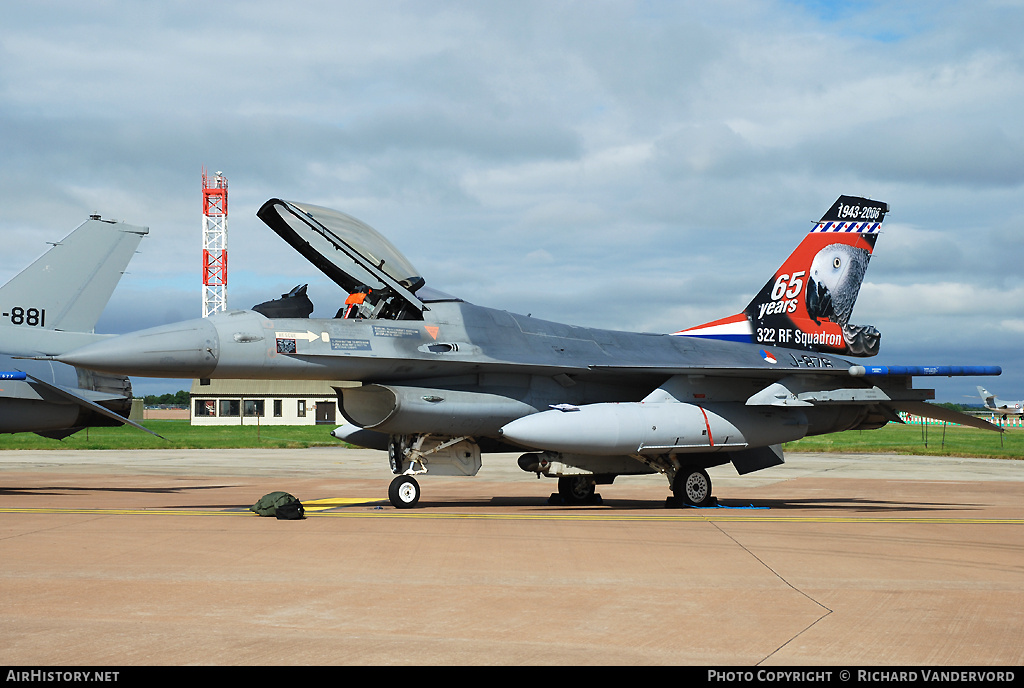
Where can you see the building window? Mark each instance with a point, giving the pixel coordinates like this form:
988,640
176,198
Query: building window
206,408
229,407
252,408
277,408
302,408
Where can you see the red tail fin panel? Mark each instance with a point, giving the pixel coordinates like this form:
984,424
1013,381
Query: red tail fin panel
808,301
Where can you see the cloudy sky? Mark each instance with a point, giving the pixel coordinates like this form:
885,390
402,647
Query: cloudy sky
629,165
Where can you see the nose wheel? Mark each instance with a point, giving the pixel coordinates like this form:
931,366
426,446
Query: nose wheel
404,492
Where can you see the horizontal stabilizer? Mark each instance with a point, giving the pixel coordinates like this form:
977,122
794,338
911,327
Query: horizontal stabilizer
926,410
91,405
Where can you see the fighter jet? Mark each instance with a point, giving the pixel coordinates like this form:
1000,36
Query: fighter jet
52,307
445,381
1000,408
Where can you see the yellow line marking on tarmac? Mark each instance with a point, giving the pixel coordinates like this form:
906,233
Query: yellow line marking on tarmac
422,514
128,512
333,502
706,518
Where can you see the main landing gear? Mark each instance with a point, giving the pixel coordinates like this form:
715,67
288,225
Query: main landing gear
576,490
691,487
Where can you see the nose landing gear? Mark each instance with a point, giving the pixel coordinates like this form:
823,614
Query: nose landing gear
404,492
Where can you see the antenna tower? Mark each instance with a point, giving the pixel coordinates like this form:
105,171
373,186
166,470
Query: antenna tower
215,243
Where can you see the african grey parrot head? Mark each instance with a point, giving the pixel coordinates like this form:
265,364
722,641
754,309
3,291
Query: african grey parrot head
834,282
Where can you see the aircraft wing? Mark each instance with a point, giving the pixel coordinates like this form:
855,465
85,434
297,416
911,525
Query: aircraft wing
890,388
887,387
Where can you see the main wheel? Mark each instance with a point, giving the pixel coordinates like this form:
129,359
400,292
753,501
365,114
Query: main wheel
404,492
396,454
693,486
576,489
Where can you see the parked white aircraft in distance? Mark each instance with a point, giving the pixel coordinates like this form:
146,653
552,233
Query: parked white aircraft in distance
1002,408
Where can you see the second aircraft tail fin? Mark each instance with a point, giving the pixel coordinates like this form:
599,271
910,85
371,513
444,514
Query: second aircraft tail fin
68,287
807,303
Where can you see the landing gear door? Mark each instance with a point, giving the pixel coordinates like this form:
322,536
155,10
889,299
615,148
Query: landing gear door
350,252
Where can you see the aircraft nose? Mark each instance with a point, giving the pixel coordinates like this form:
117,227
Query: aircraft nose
185,349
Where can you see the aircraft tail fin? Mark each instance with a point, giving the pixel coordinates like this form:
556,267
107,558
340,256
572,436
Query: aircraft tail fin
807,303
68,287
987,397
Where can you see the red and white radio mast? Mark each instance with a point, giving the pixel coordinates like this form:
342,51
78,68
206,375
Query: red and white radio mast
215,243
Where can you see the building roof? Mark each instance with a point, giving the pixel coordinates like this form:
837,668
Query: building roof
268,388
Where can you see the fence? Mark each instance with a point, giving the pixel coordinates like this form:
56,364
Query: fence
1010,422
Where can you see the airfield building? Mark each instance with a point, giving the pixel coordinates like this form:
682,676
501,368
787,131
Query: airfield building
265,402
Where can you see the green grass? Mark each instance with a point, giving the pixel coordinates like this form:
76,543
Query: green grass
180,434
910,439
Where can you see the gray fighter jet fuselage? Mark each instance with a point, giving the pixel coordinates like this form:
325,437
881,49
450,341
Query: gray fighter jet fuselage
445,380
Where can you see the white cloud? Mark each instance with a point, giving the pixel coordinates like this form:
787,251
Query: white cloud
939,299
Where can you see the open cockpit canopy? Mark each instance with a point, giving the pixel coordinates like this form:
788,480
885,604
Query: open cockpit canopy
353,254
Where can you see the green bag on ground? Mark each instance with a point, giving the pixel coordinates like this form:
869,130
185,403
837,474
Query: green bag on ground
279,504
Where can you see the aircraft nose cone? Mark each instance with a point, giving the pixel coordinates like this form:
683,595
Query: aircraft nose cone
186,349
